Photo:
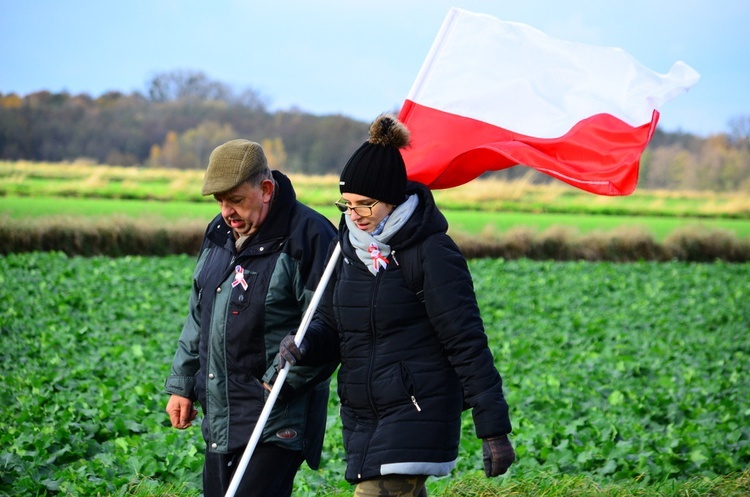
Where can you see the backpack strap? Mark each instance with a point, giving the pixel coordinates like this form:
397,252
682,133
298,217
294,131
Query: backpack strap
410,261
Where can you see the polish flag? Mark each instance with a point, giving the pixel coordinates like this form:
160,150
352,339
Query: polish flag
493,94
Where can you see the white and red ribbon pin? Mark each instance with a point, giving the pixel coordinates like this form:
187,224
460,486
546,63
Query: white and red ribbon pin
239,277
378,261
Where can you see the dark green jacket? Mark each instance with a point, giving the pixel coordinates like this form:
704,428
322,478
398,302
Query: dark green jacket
232,334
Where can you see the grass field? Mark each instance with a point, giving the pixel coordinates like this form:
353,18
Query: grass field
486,223
83,180
45,193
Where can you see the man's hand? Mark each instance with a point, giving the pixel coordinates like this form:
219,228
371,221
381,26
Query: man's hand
289,352
498,455
181,411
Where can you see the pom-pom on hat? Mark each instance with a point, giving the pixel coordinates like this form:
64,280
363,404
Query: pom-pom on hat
232,163
376,169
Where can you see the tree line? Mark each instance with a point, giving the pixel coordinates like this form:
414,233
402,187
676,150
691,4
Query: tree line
182,116
176,123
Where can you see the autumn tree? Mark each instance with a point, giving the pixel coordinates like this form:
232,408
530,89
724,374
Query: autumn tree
275,153
191,149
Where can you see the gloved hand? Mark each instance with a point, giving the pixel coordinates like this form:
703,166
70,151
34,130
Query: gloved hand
498,455
289,352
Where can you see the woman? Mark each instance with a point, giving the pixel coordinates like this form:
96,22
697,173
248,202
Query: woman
412,349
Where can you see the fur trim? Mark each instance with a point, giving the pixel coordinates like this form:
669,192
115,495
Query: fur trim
387,130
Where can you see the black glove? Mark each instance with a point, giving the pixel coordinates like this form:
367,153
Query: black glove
289,352
498,455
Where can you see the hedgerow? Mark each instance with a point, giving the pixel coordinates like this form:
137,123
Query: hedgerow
121,236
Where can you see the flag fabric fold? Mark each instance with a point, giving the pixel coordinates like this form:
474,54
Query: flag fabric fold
493,94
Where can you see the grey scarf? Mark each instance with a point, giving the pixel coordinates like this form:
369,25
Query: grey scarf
373,250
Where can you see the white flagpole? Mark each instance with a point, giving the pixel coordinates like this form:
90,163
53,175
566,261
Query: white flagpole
435,49
258,430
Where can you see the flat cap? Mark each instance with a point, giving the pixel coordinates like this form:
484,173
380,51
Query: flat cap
232,163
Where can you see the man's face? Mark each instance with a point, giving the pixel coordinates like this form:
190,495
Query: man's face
245,207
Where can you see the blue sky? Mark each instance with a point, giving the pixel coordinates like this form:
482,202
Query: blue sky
350,57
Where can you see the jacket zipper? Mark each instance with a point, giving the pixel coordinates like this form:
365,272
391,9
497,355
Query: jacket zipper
409,381
373,331
374,408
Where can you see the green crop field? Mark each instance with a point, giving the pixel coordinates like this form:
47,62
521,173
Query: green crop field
632,374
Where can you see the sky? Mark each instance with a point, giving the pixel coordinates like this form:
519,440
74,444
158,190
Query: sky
352,57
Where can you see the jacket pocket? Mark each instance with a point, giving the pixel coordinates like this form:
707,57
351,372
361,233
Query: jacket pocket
395,388
407,382
242,290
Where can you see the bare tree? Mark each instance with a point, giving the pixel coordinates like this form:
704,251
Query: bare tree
187,85
739,131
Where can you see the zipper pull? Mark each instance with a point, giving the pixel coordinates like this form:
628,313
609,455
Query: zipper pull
414,401
393,256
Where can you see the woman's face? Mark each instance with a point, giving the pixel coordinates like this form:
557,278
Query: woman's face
358,205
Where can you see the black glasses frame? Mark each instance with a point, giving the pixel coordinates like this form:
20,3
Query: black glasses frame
344,207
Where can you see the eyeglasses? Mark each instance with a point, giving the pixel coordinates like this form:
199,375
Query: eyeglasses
361,210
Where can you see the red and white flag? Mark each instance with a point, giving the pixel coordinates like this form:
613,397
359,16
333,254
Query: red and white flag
493,94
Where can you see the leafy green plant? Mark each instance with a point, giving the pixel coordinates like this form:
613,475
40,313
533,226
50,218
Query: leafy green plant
623,370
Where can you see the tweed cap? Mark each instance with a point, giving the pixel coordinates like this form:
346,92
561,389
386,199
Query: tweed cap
232,163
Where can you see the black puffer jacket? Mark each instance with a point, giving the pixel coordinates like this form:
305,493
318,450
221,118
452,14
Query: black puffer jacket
406,367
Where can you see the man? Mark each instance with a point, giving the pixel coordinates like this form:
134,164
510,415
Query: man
258,266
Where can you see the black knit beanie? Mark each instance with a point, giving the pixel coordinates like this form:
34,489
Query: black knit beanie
376,170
